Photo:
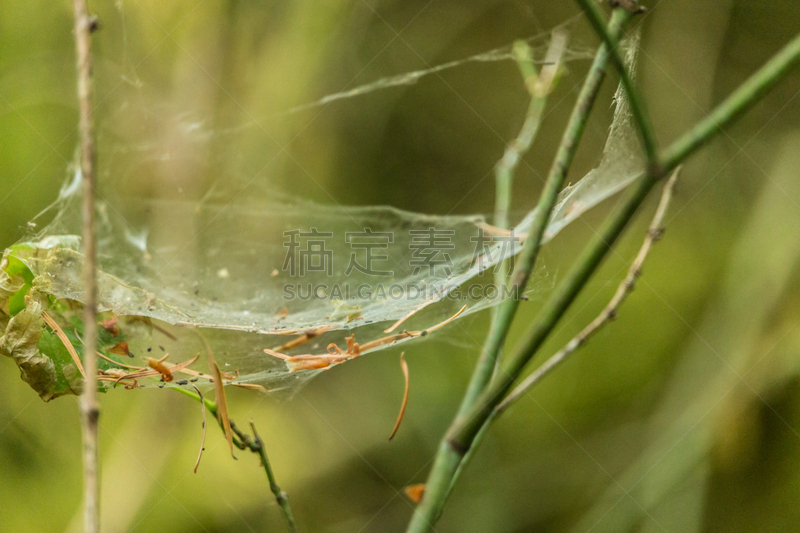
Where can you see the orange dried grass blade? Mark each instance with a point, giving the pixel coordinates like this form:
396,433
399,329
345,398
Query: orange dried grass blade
419,308
222,404
404,367
388,340
63,336
251,386
101,356
443,324
352,346
336,355
302,339
219,394
180,367
311,362
277,354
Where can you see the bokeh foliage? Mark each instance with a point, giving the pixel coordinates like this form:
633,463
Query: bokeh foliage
710,338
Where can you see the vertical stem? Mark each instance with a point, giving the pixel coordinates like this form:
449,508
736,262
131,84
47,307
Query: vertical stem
507,166
280,496
464,432
243,441
90,409
645,127
448,459
555,181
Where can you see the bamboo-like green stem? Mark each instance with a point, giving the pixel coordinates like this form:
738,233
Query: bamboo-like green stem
468,426
742,99
90,407
516,149
446,464
281,497
539,90
654,233
243,441
462,435
507,165
638,108
210,405
555,181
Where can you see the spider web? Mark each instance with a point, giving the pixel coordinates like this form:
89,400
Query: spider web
226,269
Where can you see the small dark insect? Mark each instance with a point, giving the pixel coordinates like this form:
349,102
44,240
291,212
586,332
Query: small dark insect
161,348
182,382
194,380
149,349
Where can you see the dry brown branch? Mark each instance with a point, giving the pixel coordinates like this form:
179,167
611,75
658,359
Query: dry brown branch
84,25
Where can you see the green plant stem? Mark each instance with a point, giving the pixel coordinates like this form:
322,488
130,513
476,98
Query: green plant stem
742,99
461,436
210,405
468,426
243,441
654,233
555,181
446,464
280,496
507,166
638,108
539,90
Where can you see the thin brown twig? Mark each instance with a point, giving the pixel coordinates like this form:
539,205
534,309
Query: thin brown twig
121,365
84,25
654,233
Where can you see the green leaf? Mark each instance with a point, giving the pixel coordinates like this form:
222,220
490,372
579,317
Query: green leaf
20,341
9,285
68,378
17,301
17,266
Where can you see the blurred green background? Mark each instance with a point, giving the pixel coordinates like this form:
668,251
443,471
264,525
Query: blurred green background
683,415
